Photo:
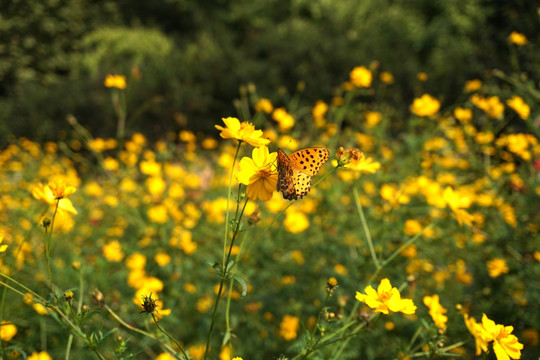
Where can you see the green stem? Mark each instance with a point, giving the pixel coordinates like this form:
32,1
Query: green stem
186,357
366,228
225,235
139,331
376,273
283,211
224,275
48,250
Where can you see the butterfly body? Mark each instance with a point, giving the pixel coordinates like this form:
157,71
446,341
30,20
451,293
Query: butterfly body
295,171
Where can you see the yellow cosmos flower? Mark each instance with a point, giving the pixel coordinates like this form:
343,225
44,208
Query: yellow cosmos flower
412,227
257,173
473,85
517,38
2,247
115,81
7,330
519,106
361,77
422,76
244,131
43,355
505,345
479,334
426,105
284,119
372,118
497,267
463,115
45,194
112,251
436,311
60,190
386,77
492,105
295,222
264,105
386,299
289,327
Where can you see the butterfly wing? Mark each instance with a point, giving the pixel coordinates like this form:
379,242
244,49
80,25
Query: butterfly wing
285,182
309,160
295,171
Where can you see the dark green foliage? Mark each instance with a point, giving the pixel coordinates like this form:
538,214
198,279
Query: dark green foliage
194,56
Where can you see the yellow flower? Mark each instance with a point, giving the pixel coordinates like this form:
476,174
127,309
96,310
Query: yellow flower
60,190
244,131
386,299
318,112
162,259
422,76
505,345
386,77
478,332
519,106
473,85
463,115
196,351
204,304
492,105
372,118
284,119
289,327
39,356
436,311
426,105
237,358
110,164
517,38
164,356
7,331
264,105
496,267
45,194
295,222
2,247
116,81
361,76
112,251
412,227
158,214
257,173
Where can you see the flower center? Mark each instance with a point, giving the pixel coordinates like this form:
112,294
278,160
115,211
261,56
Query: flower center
264,173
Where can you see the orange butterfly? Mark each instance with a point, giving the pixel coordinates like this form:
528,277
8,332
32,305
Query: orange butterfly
295,171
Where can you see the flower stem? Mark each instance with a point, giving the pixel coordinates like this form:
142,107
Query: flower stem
225,236
170,337
48,250
225,265
366,228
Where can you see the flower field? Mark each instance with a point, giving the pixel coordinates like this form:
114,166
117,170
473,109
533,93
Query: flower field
333,230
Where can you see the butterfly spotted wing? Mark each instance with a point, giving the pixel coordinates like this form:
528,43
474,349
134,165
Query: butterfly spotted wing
295,171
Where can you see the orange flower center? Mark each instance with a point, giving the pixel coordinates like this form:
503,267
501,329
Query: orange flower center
264,173
385,296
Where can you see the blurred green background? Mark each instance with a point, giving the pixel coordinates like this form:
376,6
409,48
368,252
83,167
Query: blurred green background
185,60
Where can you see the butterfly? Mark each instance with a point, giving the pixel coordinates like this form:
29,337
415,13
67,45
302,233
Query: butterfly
295,171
